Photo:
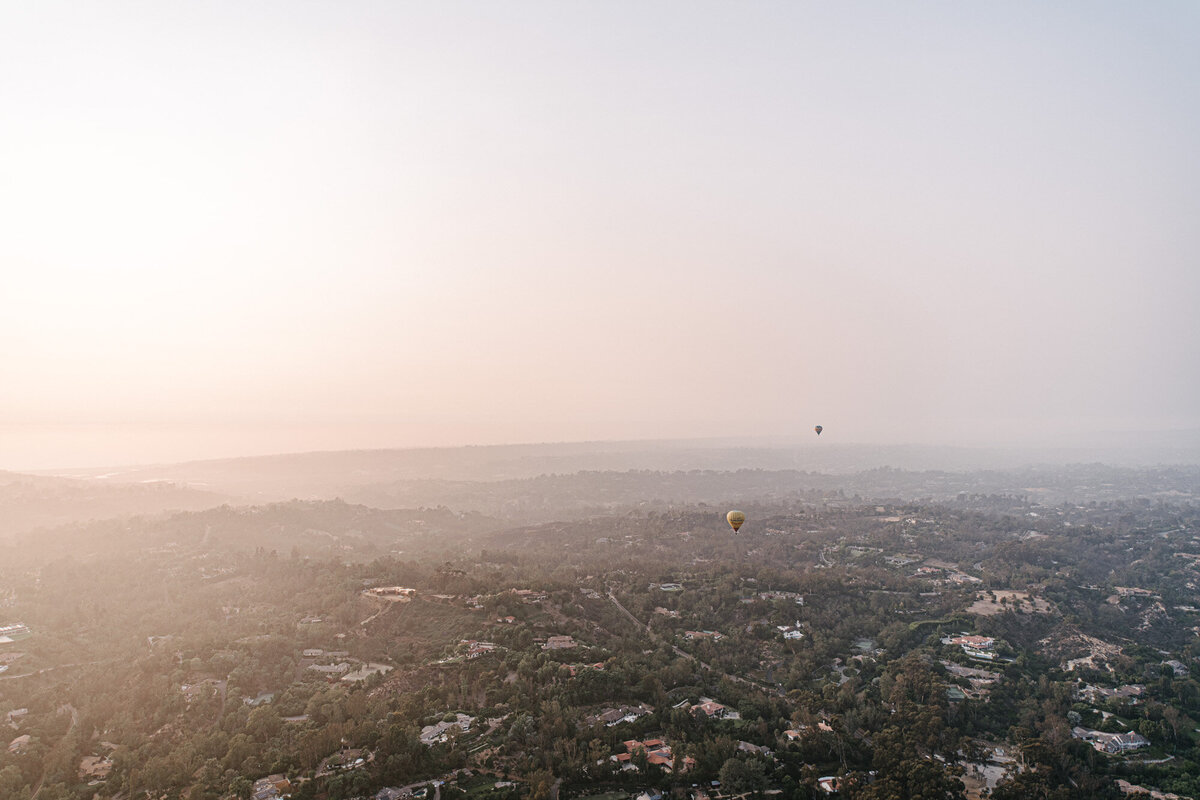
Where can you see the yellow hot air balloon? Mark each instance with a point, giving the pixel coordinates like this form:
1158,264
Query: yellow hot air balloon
735,519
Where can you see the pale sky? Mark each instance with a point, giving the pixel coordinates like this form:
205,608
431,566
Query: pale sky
232,228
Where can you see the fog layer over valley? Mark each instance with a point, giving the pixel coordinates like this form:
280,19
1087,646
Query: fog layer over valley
532,483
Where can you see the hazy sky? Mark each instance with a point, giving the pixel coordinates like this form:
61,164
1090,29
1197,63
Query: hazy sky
245,227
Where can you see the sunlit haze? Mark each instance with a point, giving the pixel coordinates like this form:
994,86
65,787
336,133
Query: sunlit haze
243,228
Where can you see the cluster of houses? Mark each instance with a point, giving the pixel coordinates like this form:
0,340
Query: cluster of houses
712,635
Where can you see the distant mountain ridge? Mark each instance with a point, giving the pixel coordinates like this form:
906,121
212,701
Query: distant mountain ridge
531,484
29,502
329,474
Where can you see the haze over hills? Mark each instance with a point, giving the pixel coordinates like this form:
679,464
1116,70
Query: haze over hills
28,502
541,483
287,284
331,473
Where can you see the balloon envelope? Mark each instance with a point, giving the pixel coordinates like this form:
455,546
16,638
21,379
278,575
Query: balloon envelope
735,519
818,429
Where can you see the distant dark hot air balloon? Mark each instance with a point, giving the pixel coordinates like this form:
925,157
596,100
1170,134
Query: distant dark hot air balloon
735,519
818,429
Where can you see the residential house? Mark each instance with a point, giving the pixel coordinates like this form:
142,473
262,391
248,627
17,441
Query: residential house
830,784
14,631
624,762
331,670
392,591
1111,742
611,717
754,749
657,752
271,787
1132,692
711,709
431,734
795,597
793,632
477,649
615,716
1181,670
974,642
1120,742
95,768
575,669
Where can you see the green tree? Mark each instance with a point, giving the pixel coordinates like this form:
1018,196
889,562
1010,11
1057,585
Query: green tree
739,776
